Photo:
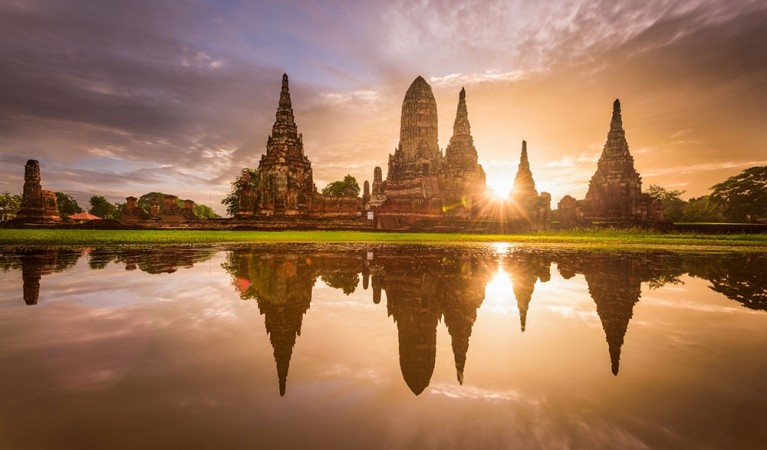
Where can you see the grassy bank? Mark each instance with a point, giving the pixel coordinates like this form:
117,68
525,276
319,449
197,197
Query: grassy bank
578,239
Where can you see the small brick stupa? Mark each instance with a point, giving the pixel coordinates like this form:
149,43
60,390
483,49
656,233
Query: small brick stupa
37,204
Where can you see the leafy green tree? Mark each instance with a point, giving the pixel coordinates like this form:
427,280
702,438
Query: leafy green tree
348,187
248,178
9,206
673,205
67,205
145,201
702,209
204,212
743,195
102,207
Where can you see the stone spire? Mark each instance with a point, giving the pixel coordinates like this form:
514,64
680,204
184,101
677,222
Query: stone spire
285,122
615,184
461,155
461,125
616,145
524,185
616,124
285,183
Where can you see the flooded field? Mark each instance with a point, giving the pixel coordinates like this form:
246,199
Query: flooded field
381,346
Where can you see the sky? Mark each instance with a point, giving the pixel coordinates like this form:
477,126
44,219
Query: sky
120,98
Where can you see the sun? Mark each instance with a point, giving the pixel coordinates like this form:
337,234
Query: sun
500,188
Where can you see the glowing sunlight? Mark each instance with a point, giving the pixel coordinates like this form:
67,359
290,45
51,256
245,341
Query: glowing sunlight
500,188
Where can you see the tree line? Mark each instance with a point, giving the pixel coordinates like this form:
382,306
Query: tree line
98,206
740,198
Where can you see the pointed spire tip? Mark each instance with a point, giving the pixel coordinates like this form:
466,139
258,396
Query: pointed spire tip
617,105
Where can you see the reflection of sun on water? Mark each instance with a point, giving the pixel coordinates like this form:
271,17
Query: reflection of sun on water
499,296
501,248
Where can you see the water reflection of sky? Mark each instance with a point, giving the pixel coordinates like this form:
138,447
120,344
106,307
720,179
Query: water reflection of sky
185,356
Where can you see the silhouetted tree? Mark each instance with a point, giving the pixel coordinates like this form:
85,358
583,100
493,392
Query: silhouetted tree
673,205
743,195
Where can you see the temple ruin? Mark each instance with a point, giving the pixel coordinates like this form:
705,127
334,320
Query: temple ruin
37,204
526,207
615,191
285,182
421,182
426,189
164,211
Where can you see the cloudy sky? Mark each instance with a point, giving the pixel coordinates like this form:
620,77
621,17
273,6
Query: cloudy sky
121,98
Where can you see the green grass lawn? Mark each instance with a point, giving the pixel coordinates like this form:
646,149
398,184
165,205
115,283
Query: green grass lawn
615,239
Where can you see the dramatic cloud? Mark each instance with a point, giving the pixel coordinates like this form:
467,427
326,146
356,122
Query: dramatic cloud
118,98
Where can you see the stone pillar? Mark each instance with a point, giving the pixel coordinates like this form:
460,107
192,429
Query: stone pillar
377,181
154,209
169,203
130,204
366,193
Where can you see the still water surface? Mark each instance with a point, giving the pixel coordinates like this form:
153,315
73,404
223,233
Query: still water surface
381,347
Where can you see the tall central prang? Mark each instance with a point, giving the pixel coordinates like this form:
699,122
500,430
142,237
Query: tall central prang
418,125
416,164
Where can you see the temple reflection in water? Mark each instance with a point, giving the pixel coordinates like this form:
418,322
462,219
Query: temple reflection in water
423,286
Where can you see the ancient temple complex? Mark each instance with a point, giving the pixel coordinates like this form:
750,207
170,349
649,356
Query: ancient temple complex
426,189
615,190
422,184
37,204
